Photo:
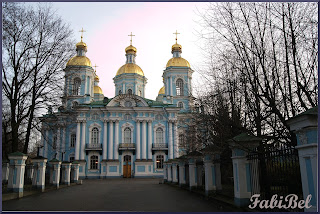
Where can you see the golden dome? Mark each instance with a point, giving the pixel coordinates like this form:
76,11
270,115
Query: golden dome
130,68
96,78
131,49
178,62
97,90
176,47
80,61
162,90
81,45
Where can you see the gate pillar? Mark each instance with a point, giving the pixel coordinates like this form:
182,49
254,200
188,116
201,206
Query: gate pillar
182,176
174,173
55,172
165,172
241,167
5,171
66,169
75,172
305,126
212,174
38,181
17,170
192,173
169,166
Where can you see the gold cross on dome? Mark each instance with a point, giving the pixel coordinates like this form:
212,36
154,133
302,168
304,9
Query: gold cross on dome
82,31
176,36
131,38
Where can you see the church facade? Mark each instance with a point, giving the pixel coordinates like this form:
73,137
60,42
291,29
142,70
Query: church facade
124,136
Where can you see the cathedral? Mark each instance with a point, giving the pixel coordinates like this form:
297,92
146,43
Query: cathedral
125,136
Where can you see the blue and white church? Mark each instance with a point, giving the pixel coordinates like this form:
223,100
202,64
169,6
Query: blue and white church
125,136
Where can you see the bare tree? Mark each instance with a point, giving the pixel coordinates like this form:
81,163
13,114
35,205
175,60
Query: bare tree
265,56
36,45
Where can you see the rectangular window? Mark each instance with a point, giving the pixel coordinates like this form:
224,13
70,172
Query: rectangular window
73,140
71,159
94,162
159,161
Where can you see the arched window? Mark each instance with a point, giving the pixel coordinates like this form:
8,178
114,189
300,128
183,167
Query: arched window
159,135
179,87
180,104
94,162
95,136
140,93
120,92
129,91
127,135
73,140
181,140
76,86
159,161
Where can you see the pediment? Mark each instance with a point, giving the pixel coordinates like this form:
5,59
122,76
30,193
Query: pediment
128,100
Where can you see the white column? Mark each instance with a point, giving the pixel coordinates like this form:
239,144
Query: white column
90,91
150,140
83,140
116,156
170,141
167,86
77,147
58,144
171,84
176,140
85,85
144,137
63,146
104,153
110,154
138,141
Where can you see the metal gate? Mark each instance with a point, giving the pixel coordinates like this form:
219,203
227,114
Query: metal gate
275,170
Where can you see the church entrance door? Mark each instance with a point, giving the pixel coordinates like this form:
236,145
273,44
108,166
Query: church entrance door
127,166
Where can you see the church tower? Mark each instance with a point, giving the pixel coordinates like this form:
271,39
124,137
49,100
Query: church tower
130,78
177,79
79,78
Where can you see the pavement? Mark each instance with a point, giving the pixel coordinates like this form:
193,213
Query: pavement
132,194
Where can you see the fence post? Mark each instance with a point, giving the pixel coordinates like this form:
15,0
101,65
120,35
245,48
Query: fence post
169,166
192,173
174,172
55,172
39,177
165,172
5,171
17,170
66,169
305,126
75,170
240,146
182,176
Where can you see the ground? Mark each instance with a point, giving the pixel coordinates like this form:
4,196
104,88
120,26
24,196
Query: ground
116,195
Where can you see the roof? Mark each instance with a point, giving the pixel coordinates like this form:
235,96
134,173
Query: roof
245,137
311,111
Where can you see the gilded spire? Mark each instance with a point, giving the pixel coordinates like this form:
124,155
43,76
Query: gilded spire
82,31
95,68
131,38
176,36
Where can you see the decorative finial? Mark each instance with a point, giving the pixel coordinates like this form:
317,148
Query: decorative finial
82,33
131,38
95,67
176,36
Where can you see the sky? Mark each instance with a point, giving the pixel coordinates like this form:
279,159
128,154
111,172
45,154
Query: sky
108,24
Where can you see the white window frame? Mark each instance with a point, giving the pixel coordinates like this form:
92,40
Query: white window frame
93,125
76,90
159,125
155,160
180,87
123,127
159,137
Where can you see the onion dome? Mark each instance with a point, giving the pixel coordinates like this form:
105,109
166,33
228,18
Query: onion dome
176,47
97,90
162,90
131,49
80,59
178,62
130,68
